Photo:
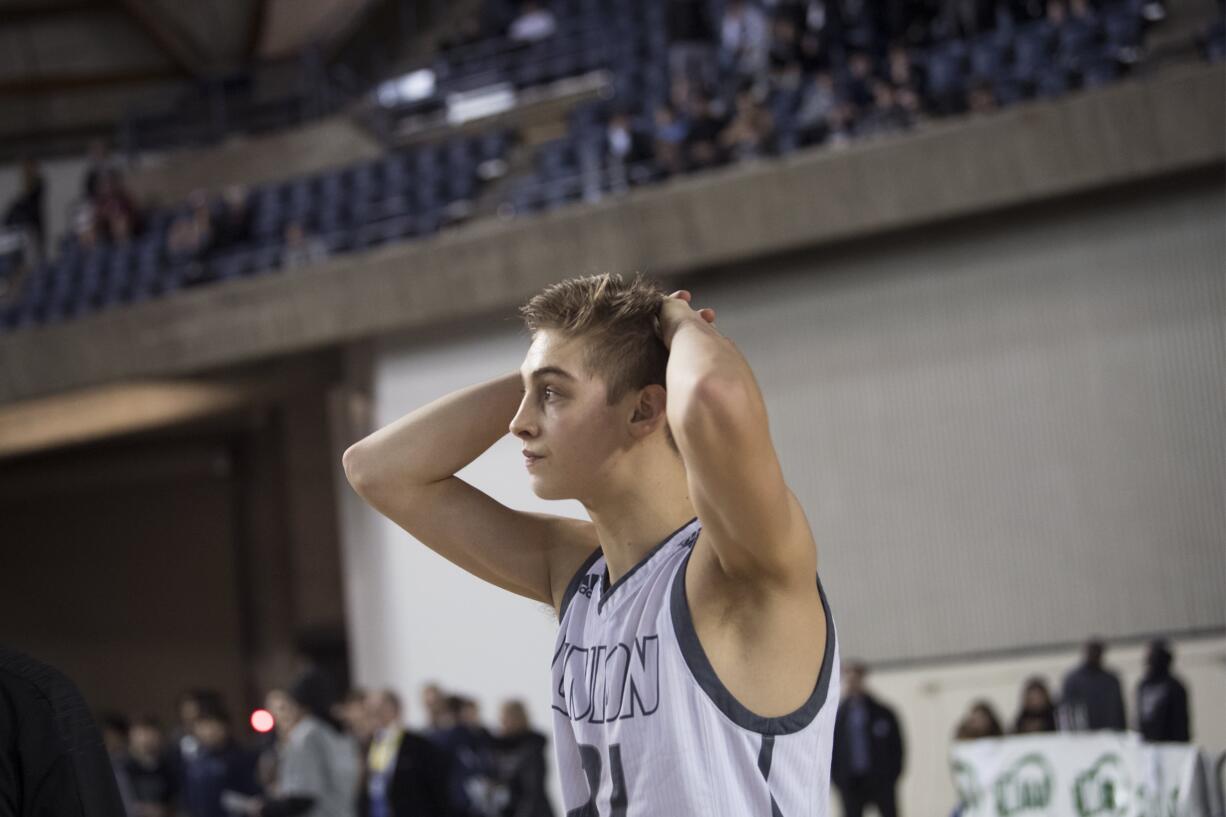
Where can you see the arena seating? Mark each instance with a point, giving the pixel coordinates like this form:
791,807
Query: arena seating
404,194
413,192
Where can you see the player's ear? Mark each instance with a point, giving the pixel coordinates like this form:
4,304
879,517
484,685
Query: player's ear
648,411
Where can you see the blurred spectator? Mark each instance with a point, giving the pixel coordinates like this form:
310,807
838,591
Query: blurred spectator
218,764
691,51
113,202
26,210
154,788
407,774
318,770
1037,713
99,161
784,47
473,771
857,84
53,761
816,107
319,655
1091,698
704,123
191,233
354,716
521,764
300,249
1162,699
669,148
867,757
233,227
182,740
625,148
749,133
115,736
744,40
533,24
85,228
434,702
900,70
119,228
981,721
812,53
885,115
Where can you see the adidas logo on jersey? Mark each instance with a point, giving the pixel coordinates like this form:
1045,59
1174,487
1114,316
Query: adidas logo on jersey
588,584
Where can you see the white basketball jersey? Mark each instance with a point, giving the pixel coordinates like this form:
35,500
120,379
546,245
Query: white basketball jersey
643,727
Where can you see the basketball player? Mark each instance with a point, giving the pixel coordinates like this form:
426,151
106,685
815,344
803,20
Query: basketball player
695,671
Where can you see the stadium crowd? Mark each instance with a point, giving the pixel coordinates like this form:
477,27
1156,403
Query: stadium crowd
696,84
353,754
330,755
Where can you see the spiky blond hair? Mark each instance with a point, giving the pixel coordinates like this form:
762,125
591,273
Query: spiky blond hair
618,318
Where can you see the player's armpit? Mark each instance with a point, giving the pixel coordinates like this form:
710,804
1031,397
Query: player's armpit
511,549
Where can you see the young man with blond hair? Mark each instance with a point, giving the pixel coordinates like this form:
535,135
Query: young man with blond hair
696,668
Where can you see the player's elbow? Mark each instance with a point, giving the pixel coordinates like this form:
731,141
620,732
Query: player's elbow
716,406
356,462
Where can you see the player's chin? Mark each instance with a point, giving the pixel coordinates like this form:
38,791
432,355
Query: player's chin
549,489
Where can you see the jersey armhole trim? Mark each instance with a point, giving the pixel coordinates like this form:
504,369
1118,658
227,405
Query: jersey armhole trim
573,586
704,674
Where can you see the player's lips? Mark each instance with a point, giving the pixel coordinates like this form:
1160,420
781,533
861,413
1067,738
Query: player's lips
531,459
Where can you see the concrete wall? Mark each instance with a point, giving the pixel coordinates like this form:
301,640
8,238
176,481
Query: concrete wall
1133,131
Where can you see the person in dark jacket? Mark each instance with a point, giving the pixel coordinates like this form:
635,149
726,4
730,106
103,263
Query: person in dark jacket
1037,713
407,774
149,770
1092,696
520,751
218,765
867,758
1162,699
27,211
471,750
52,758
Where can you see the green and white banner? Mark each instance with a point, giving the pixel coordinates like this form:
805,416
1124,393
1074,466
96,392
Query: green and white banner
1100,774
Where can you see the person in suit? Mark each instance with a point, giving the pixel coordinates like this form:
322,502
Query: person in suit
868,748
406,774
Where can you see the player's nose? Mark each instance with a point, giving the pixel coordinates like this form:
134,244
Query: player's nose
523,425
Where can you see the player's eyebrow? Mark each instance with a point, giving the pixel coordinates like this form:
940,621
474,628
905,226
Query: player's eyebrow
546,370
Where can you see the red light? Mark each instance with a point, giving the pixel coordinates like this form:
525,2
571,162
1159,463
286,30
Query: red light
262,720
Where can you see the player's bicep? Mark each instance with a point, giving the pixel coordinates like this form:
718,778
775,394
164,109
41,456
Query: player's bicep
508,548
736,483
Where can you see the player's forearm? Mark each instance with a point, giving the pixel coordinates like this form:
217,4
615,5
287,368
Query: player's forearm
437,440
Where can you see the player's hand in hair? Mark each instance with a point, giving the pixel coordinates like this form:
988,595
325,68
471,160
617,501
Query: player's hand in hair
675,310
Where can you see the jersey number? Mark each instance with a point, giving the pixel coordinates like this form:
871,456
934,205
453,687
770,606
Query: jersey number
589,756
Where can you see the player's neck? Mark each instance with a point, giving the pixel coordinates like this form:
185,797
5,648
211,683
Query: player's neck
633,518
